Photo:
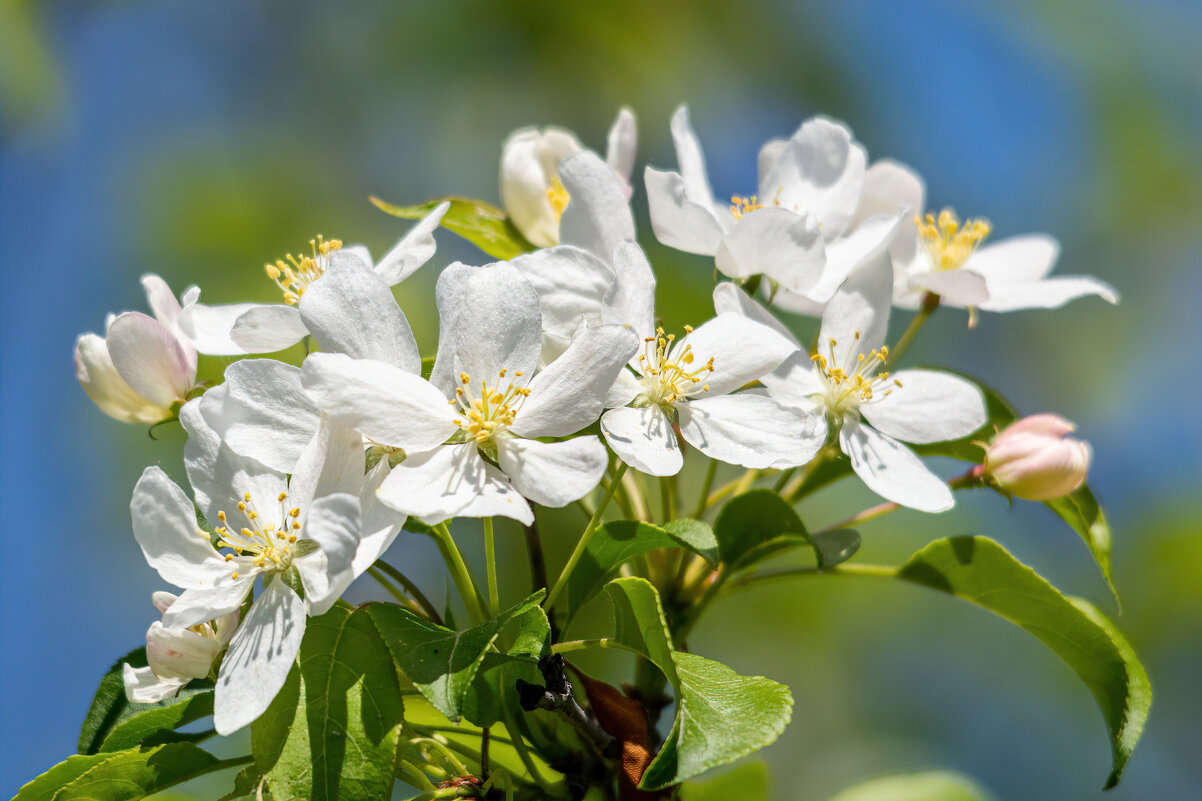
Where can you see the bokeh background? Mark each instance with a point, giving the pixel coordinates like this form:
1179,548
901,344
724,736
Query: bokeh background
198,140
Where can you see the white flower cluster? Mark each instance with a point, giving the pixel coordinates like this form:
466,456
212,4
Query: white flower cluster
552,369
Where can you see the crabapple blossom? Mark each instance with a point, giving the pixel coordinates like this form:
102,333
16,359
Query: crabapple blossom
175,656
1036,460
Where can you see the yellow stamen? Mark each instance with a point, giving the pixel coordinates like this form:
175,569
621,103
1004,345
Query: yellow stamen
949,241
558,197
293,274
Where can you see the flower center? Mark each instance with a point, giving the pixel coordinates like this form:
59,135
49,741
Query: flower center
668,371
742,205
558,197
850,385
294,274
269,545
948,241
484,416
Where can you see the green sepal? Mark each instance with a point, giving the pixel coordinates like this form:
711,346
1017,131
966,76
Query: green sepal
483,224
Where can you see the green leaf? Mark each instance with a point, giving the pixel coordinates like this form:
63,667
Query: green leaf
747,782
720,715
119,775
333,730
696,535
111,708
1083,513
982,571
439,661
611,546
483,224
156,725
931,786
834,547
756,525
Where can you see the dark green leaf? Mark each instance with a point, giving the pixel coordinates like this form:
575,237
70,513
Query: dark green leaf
982,571
439,661
610,547
156,725
333,730
482,224
931,786
720,715
695,535
110,707
532,631
833,547
756,525
248,784
119,775
747,782
1083,513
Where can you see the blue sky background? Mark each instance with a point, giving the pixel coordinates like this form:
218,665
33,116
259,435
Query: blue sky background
199,140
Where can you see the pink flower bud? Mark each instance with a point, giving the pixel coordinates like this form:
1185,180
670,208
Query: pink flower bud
1034,458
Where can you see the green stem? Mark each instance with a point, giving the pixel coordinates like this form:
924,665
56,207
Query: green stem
583,645
562,581
846,569
490,559
519,745
792,490
401,598
783,480
929,304
706,485
411,588
667,501
459,572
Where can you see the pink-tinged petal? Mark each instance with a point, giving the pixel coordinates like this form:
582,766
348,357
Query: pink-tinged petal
259,657
150,358
107,389
161,300
892,470
553,473
750,430
644,439
621,143
179,653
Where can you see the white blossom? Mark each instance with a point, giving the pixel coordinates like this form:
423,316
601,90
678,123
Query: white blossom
175,656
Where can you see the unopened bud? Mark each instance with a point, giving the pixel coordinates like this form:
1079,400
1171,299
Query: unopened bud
1034,459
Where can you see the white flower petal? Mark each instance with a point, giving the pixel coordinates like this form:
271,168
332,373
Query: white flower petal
750,430
452,481
569,394
448,296
499,326
742,350
259,658
262,411
334,522
848,252
929,406
107,389
959,288
677,221
209,327
1051,293
416,248
164,524
891,187
857,317
626,388
1015,260
381,524
729,298
267,329
553,473
200,605
351,310
621,143
690,160
571,284
795,383
598,216
383,402
529,162
892,470
821,171
150,358
332,462
143,687
781,244
768,156
161,300
219,476
644,439
631,298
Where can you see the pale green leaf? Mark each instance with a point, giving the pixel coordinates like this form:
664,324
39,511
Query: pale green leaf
930,786
483,224
119,775
1083,513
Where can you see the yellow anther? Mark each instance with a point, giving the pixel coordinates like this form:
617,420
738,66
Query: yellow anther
252,514
296,526
948,240
518,373
241,506
283,495
741,206
465,378
221,516
291,538
293,274
294,511
558,197
688,329
229,557
234,574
